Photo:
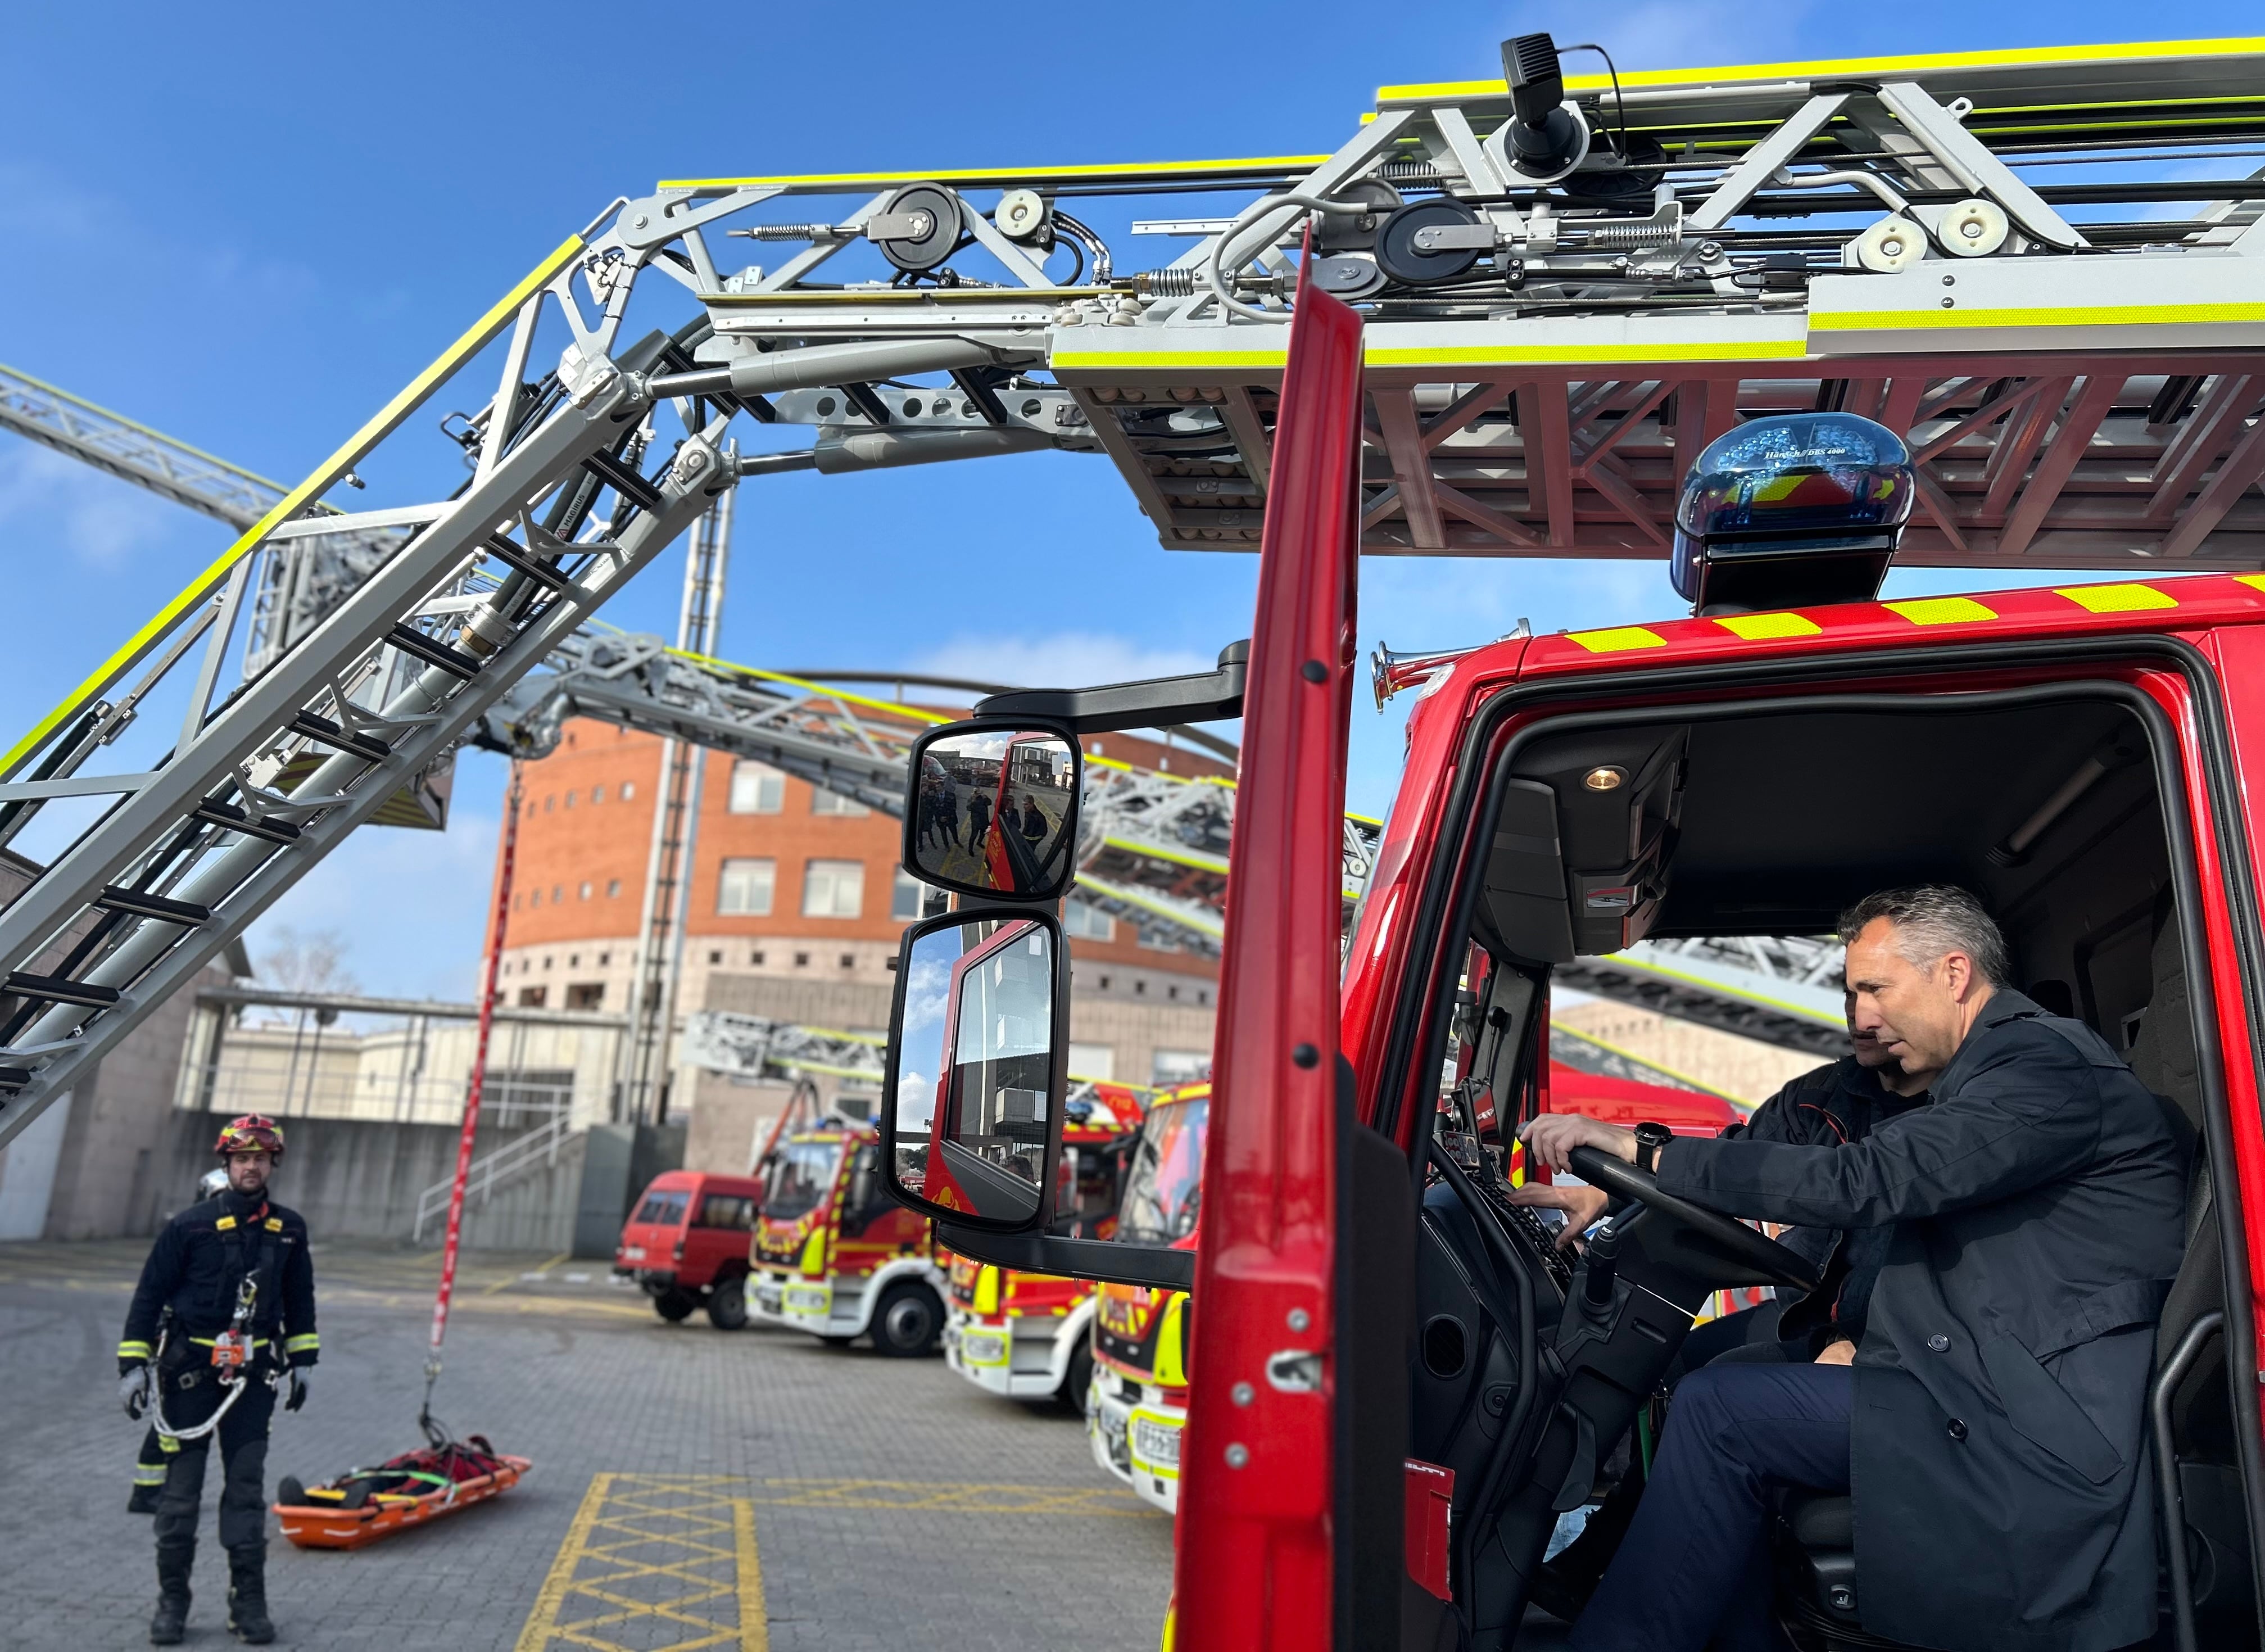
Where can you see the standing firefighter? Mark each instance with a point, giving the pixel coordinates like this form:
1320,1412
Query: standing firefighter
232,1282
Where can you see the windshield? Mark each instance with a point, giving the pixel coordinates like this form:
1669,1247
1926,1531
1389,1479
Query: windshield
800,1179
663,1210
1165,1187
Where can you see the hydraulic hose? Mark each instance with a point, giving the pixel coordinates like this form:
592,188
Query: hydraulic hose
1215,272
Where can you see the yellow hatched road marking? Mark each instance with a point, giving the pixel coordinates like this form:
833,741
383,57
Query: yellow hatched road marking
665,1554
326,475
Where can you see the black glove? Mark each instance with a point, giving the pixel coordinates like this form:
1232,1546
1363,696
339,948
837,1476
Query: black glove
134,1392
298,1389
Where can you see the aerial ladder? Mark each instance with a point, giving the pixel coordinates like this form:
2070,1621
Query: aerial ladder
1570,285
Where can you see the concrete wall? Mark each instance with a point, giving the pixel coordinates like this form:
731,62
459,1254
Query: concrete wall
360,1179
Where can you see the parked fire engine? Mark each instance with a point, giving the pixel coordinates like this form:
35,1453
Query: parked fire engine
1027,1336
835,1256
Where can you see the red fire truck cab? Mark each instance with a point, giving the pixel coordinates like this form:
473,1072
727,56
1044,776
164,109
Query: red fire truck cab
2087,760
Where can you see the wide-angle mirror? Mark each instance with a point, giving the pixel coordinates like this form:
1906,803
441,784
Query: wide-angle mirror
970,1112
992,810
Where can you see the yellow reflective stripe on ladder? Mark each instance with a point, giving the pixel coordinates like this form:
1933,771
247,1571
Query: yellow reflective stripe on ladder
324,478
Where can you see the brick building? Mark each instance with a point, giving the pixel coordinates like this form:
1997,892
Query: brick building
796,905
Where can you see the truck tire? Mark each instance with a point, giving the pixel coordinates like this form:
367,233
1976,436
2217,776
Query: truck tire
675,1306
727,1303
908,1322
1077,1382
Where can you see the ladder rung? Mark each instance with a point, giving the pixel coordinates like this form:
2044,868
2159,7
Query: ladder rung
55,990
235,820
411,641
117,897
513,558
624,481
320,728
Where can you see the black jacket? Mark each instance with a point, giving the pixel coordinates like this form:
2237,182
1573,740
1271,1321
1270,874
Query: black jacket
194,1269
1997,1447
1838,1102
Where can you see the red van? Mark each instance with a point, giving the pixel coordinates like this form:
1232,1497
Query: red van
686,1244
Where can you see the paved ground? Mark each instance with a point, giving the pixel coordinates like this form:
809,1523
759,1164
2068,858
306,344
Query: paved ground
692,1488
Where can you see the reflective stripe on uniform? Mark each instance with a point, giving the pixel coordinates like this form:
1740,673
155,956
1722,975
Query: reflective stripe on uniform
148,1474
225,1223
133,1351
301,1344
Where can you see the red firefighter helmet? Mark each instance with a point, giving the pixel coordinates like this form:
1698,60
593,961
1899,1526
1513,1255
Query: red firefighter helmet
254,1132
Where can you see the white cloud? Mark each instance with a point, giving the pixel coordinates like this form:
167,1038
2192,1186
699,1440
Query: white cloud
98,518
1066,660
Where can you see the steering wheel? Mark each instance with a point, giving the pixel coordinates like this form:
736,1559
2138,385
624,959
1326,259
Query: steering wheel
1730,1238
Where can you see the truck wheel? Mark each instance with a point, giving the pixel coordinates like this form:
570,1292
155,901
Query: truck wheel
908,1322
1077,1389
727,1304
676,1305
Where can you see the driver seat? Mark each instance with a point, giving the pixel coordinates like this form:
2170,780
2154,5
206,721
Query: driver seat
1820,1558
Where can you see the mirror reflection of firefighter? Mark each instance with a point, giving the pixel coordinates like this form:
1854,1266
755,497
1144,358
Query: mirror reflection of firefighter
231,1280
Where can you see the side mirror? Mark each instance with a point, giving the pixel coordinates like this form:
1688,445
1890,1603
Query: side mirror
991,808
978,1039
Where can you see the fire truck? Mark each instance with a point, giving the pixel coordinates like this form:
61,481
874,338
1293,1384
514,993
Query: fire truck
1138,1408
835,1256
1026,1335
2081,756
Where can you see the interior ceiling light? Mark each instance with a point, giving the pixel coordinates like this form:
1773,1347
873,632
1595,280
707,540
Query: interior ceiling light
1606,778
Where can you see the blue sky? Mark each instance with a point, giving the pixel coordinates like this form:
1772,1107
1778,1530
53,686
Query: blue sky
248,226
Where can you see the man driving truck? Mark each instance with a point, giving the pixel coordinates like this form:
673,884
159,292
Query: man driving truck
1991,1423
1840,1102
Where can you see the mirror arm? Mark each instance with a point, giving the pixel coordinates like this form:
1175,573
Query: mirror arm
1102,1259
1207,697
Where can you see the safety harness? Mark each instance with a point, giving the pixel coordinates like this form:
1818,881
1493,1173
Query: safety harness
233,1351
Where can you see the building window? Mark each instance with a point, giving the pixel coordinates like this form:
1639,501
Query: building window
905,897
558,894
825,801
715,958
1169,1067
573,960
757,788
597,794
756,959
570,800
535,897
802,960
833,889
1159,940
629,790
532,997
1092,1061
744,890
604,959
613,887
548,802
849,960
1081,922
587,995
585,891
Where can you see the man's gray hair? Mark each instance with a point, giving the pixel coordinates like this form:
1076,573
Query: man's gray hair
1931,920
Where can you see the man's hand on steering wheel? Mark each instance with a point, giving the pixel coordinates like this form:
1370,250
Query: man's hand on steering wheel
1552,1136
1583,1204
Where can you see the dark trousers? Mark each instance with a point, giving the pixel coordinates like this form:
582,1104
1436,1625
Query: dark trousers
242,1437
1695,1562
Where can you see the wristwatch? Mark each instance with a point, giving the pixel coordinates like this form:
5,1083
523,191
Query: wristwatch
1649,1139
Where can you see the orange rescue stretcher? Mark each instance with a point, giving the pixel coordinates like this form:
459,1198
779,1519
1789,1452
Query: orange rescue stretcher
365,1504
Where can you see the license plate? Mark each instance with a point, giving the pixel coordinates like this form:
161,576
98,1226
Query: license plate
633,1253
1155,1443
